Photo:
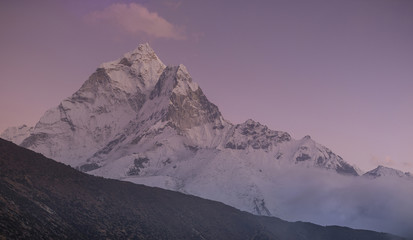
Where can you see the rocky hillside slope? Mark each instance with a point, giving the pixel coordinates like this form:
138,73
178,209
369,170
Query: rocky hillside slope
43,199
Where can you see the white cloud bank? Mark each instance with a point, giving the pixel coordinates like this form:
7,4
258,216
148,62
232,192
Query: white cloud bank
383,204
135,19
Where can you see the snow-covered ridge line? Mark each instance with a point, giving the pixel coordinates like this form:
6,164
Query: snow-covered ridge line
382,171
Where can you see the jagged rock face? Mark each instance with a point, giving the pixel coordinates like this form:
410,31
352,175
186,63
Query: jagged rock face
192,110
136,119
188,106
253,134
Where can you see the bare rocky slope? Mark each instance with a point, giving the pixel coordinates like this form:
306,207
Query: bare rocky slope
44,199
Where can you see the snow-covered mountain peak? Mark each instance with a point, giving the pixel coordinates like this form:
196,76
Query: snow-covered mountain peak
142,54
138,69
100,110
16,134
184,81
143,50
307,137
255,135
136,119
251,122
382,171
310,153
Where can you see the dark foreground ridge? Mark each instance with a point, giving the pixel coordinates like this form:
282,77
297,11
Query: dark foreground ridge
44,199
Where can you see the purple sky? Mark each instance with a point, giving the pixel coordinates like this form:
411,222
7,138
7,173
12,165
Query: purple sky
340,71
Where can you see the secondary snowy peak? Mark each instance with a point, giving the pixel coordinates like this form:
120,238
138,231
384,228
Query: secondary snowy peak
311,153
16,134
255,135
382,171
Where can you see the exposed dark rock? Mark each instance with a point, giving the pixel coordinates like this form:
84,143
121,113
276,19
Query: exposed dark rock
33,139
138,165
186,110
136,101
345,168
137,139
88,167
166,162
192,109
156,92
101,109
66,118
236,146
192,148
112,144
125,61
22,126
218,127
230,145
256,135
260,207
98,79
303,157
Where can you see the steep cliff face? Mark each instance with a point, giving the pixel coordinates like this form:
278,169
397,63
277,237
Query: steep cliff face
138,120
186,106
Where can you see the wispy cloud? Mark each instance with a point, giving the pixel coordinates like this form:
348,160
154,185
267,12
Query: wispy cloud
174,4
385,161
135,19
388,161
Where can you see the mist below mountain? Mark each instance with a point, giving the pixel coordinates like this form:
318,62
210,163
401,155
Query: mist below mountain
43,199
